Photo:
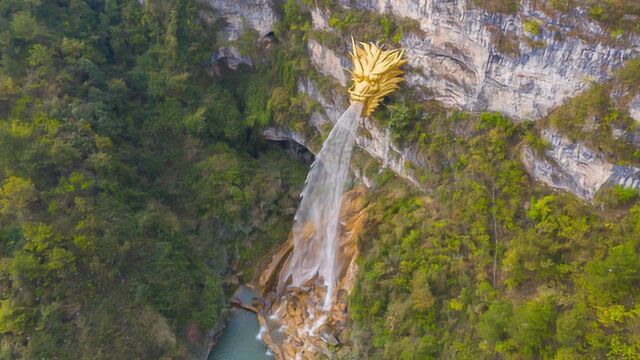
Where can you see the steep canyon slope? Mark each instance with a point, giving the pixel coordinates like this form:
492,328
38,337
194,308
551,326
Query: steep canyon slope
505,102
522,64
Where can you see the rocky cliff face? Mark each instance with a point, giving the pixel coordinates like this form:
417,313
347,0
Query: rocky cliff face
327,62
634,108
573,167
456,53
237,16
259,15
468,59
371,138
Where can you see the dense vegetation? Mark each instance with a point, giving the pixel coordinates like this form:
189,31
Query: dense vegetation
599,117
131,180
483,263
487,265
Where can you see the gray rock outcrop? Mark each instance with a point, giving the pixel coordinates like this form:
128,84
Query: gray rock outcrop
237,16
374,140
455,54
573,167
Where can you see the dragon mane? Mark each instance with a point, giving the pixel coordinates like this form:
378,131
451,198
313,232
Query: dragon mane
376,73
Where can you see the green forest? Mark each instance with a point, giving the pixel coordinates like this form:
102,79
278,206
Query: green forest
488,265
133,181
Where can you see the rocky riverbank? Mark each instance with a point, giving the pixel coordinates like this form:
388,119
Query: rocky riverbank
297,326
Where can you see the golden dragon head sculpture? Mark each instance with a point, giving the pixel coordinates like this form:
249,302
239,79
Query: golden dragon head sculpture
375,73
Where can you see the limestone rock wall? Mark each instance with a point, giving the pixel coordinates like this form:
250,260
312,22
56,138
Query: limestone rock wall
573,167
455,54
259,15
371,138
634,108
327,62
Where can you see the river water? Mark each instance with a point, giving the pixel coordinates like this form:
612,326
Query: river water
240,339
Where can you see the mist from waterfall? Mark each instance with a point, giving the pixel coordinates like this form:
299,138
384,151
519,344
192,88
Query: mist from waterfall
315,226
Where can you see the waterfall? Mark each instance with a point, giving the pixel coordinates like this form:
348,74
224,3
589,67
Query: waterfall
301,284
315,226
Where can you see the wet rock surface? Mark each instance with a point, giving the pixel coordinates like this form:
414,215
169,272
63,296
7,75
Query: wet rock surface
296,322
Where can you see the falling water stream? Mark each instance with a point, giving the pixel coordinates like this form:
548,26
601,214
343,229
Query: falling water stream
315,242
305,286
315,227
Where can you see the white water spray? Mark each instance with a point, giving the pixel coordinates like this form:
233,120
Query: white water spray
315,226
